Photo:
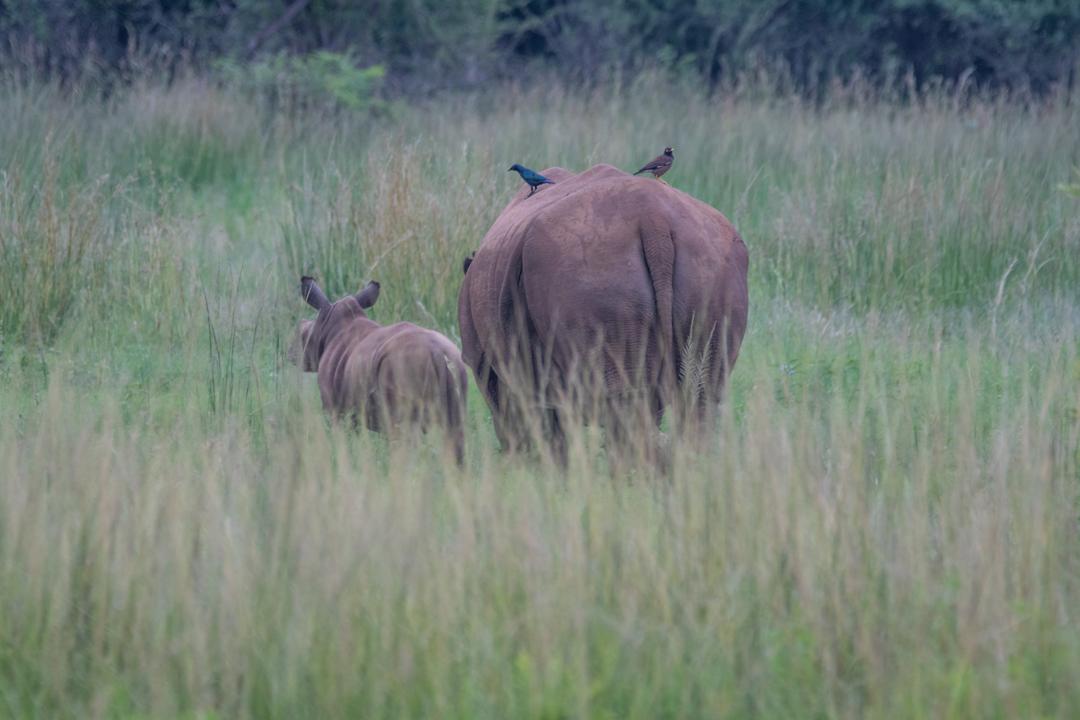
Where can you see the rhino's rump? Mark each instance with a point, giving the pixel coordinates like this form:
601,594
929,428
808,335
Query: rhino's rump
589,297
396,373
603,280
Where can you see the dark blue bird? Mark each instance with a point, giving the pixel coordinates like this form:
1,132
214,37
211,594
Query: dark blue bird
533,178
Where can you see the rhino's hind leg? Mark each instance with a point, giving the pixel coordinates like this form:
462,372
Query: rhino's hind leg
455,445
632,432
506,415
555,440
704,361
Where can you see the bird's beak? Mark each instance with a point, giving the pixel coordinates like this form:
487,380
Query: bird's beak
509,169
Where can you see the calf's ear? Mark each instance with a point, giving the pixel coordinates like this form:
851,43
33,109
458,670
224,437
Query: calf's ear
310,291
468,261
368,295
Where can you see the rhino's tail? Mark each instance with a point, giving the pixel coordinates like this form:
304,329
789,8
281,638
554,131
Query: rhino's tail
450,376
658,248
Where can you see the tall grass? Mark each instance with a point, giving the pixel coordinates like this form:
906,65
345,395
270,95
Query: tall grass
904,546
53,243
883,525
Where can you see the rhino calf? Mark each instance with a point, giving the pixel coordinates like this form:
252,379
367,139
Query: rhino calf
388,376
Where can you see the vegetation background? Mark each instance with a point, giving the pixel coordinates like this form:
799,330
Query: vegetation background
437,44
886,523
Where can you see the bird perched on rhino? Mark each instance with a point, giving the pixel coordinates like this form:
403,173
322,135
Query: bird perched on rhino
533,178
659,164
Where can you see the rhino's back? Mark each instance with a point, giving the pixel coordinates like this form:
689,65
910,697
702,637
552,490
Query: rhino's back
574,255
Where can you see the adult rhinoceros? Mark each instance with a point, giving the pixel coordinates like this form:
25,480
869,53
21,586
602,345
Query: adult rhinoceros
602,294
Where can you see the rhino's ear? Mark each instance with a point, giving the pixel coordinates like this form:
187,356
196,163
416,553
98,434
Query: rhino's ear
468,261
368,295
310,291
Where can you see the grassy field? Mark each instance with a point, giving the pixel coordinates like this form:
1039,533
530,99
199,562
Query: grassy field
886,523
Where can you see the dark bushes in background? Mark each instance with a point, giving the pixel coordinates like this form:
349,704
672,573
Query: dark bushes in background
430,44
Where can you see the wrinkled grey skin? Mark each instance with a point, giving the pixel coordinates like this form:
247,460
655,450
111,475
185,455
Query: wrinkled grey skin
389,376
606,295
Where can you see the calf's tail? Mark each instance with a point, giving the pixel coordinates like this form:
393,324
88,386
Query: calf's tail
452,378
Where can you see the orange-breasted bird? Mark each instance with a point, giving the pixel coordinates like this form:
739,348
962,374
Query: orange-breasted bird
660,164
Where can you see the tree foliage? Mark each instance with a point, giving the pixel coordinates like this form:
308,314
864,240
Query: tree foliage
440,43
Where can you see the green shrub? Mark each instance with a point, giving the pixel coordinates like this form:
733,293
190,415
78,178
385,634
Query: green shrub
323,79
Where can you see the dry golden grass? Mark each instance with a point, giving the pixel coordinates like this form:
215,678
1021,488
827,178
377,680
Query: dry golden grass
884,524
